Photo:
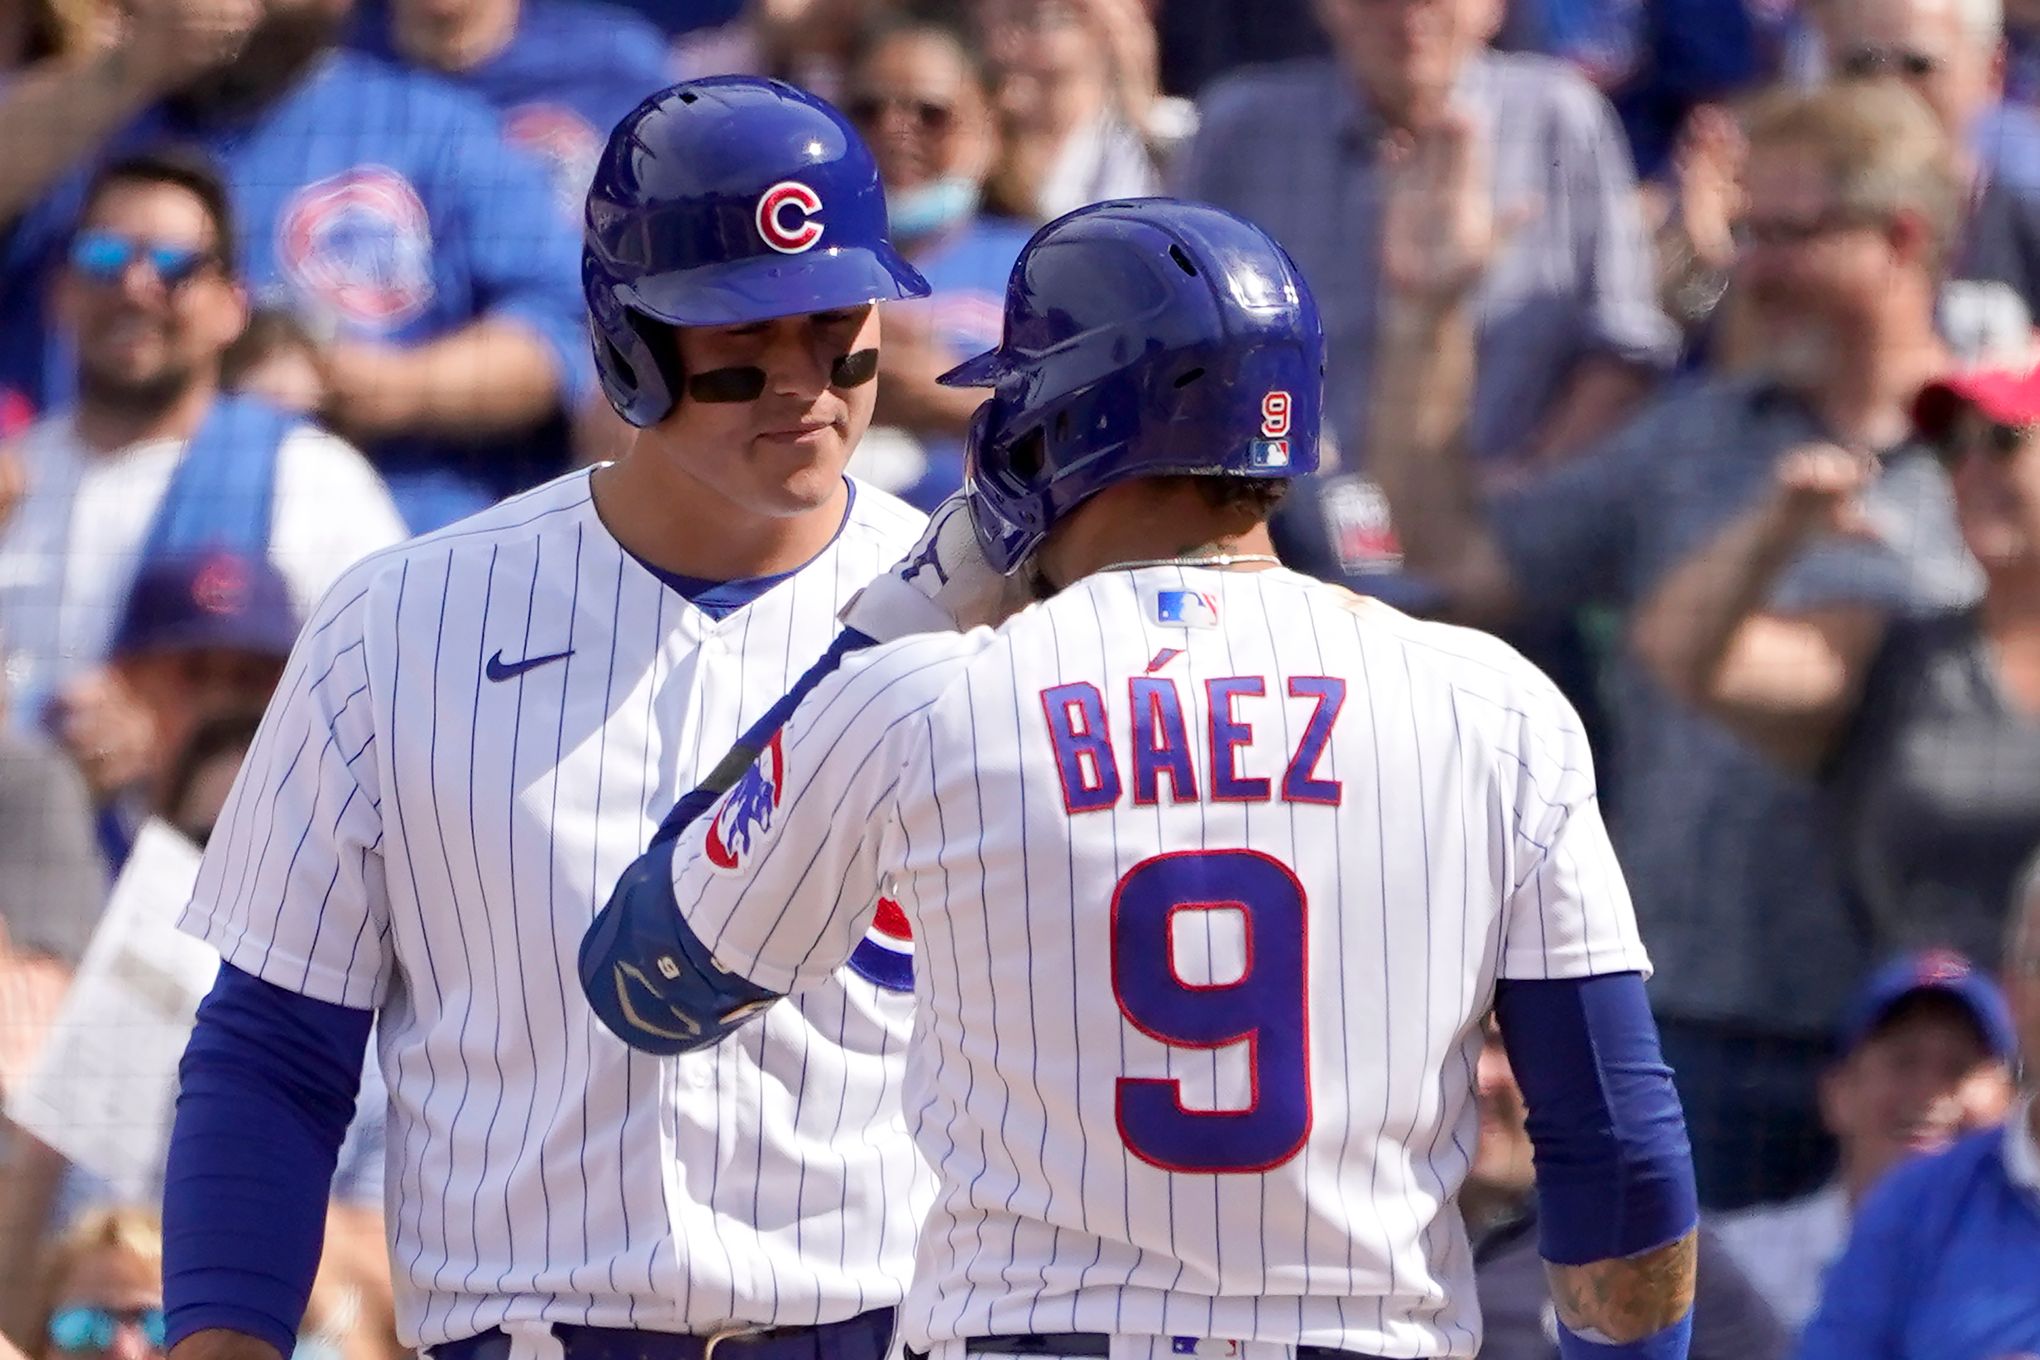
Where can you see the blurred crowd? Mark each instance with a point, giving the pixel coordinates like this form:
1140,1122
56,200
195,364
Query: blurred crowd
1688,344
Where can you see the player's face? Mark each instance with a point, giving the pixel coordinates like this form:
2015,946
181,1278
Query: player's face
1407,53
1922,1080
1503,1161
1921,42
922,111
784,452
146,297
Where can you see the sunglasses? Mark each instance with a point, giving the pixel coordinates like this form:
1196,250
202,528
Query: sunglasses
927,115
1999,442
1864,62
82,1330
104,257
1751,232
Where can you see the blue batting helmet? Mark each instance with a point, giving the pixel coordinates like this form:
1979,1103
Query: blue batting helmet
1144,337
723,201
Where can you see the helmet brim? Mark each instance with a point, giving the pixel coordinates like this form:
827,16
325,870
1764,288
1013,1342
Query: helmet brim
737,292
983,370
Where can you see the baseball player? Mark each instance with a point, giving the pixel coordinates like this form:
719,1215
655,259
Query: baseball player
477,733
1212,871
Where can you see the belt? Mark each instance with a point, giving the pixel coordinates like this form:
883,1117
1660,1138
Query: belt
864,1337
1097,1346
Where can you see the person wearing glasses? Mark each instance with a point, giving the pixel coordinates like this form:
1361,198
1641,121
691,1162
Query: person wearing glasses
1924,728
1850,208
153,455
103,1298
921,96
1940,1259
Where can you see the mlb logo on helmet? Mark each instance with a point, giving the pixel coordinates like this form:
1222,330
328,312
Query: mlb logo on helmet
885,956
1187,608
788,215
745,813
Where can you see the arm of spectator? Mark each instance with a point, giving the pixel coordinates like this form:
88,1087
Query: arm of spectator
1438,237
57,114
494,375
908,395
1786,683
1626,339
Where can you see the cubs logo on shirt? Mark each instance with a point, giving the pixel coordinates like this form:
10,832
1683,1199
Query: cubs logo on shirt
746,814
788,216
564,144
360,243
885,956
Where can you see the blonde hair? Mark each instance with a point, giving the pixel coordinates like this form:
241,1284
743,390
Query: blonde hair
138,1232
1883,150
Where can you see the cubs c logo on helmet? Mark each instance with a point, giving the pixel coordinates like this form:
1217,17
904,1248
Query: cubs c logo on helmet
787,215
745,814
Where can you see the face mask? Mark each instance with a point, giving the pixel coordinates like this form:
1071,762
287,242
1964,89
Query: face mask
931,207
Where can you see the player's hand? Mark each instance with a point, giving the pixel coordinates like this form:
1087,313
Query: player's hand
1439,228
171,42
1817,491
943,585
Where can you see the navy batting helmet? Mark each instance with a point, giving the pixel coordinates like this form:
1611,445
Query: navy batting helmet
1144,337
723,201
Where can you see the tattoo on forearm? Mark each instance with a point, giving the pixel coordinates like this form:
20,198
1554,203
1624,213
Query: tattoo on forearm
1628,1299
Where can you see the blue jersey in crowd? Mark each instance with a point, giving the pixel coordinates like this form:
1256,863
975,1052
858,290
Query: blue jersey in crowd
571,72
374,202
964,312
1943,1262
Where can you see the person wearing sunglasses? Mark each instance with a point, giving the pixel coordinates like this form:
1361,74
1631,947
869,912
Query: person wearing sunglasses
1923,728
103,1291
921,96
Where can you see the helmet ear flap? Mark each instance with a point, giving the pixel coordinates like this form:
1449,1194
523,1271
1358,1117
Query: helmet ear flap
635,357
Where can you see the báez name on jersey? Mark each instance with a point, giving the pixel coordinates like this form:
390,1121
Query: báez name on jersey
1152,742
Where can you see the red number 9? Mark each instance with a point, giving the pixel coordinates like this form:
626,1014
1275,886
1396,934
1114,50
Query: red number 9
1275,415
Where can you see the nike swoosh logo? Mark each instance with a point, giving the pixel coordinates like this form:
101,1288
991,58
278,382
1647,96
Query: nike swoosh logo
498,669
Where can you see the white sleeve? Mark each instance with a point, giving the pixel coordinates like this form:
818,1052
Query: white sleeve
291,888
332,510
780,879
1569,913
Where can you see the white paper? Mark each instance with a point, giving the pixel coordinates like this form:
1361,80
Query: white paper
103,1090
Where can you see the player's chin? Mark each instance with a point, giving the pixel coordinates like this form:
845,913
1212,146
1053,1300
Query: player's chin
795,475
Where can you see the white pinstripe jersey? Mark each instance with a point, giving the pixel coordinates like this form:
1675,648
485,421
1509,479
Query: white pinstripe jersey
478,733
1210,877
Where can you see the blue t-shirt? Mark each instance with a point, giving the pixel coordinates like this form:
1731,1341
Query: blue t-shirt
967,273
375,202
572,71
1943,1263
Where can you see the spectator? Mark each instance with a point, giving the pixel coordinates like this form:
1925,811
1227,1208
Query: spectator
1849,211
1078,95
1499,1199
921,99
200,774
1922,1058
1202,40
1952,53
55,882
151,457
202,633
1926,730
387,211
1940,1261
275,359
558,73
103,1291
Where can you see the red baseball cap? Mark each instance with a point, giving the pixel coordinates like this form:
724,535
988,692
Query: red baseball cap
2005,395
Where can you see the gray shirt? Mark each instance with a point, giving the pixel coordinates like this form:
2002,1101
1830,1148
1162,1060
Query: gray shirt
1938,780
54,885
1295,148
1732,864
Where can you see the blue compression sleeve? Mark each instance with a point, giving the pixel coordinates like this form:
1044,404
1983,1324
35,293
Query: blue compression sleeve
1614,1169
268,1086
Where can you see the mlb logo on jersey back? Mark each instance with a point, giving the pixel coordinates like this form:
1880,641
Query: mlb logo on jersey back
1187,608
745,814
